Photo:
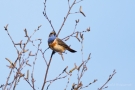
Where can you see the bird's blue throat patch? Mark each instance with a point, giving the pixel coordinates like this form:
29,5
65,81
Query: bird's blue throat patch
51,39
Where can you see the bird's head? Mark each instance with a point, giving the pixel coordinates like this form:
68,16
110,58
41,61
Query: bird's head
52,37
52,34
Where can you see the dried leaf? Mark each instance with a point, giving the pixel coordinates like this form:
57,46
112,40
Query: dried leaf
27,74
26,34
77,35
11,64
89,57
81,36
21,44
8,60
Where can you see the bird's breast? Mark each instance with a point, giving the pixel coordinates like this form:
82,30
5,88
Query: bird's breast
54,46
51,45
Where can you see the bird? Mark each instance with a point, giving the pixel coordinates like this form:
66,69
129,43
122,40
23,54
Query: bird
57,44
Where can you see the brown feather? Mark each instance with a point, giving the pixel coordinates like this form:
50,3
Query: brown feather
60,42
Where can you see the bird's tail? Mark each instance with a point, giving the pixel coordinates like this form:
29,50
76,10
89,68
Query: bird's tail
71,50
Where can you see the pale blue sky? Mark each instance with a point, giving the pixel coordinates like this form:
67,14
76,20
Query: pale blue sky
111,40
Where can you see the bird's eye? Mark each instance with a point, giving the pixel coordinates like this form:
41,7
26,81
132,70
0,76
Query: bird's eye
50,34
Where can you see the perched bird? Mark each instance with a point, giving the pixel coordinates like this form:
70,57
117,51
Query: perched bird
57,44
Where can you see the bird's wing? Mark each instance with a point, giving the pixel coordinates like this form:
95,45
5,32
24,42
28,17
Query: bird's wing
60,42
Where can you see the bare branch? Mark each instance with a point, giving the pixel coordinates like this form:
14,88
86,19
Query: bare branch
78,1
95,80
8,79
110,77
11,38
66,17
45,14
47,70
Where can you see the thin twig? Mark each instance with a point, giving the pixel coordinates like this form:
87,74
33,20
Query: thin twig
78,1
76,25
95,80
47,70
58,77
11,38
8,79
66,17
110,77
51,81
68,81
45,14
